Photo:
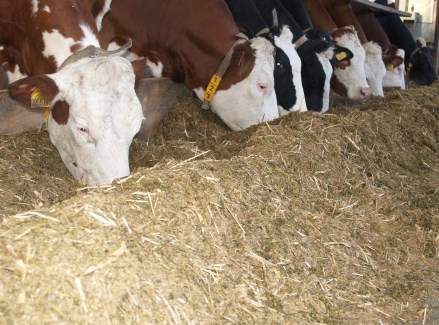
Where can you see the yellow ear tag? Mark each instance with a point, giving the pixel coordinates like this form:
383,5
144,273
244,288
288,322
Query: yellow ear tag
37,101
409,67
341,55
211,87
389,67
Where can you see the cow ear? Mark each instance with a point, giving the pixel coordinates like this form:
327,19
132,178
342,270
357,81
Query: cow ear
342,53
34,92
397,60
243,59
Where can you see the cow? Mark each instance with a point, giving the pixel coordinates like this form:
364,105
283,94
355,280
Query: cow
335,17
89,95
287,68
391,55
418,61
316,71
228,73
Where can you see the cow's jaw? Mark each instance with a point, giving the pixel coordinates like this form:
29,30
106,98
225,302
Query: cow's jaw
103,116
252,100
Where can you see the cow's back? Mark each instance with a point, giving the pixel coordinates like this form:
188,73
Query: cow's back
163,30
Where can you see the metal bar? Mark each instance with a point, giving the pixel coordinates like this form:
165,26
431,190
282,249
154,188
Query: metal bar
376,6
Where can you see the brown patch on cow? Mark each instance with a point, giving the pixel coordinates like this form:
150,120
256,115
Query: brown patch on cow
339,32
391,58
23,91
60,112
241,64
342,64
338,87
96,7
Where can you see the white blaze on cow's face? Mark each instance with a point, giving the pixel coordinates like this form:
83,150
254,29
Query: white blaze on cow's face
353,76
374,68
284,42
252,100
324,58
95,115
395,76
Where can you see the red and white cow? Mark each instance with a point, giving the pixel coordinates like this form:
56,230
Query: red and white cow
188,41
94,110
336,17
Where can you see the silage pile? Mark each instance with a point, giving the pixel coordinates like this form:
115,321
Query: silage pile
310,219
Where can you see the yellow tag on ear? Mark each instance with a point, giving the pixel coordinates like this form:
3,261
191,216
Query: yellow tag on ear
37,100
409,67
389,67
211,87
341,55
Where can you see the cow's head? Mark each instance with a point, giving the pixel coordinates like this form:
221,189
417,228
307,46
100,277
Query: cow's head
287,73
316,69
393,59
252,100
349,78
94,114
421,67
374,68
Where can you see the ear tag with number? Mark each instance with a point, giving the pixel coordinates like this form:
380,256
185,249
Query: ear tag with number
341,55
37,100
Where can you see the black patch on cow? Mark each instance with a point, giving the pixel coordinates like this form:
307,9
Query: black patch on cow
421,67
313,77
283,80
321,40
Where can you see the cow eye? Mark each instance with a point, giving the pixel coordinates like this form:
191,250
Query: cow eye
82,129
279,65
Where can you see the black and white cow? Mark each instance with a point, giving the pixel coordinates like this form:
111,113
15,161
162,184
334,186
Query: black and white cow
316,69
287,76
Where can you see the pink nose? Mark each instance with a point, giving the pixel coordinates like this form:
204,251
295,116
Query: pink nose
263,87
364,92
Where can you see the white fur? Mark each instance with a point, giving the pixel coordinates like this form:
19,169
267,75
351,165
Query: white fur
101,96
374,68
35,6
353,77
56,45
284,42
15,75
245,103
156,69
100,16
324,58
46,9
89,36
396,76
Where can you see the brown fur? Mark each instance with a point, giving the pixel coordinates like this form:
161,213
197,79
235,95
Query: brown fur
183,36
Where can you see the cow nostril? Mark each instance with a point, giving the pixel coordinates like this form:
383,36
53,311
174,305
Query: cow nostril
75,164
364,92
